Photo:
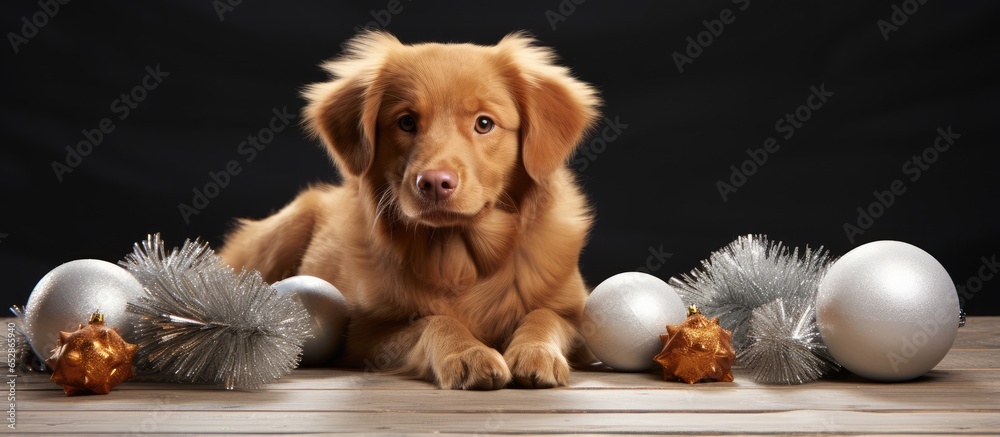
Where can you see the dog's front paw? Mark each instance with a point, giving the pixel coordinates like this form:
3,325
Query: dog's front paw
537,365
475,368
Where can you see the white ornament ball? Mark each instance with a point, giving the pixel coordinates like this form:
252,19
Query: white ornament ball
624,317
328,312
69,294
887,311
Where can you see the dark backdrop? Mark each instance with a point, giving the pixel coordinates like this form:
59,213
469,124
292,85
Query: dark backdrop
655,184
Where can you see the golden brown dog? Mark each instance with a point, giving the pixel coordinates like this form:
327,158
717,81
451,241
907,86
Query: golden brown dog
456,233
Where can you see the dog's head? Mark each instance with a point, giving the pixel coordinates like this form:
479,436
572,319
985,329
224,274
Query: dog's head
440,131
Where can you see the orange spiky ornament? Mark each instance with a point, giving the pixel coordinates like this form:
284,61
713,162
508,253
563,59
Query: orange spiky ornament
91,360
697,350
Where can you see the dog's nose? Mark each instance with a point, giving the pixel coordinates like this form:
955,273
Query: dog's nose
437,185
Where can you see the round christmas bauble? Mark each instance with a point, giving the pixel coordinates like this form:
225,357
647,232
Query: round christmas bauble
69,294
887,311
328,312
624,317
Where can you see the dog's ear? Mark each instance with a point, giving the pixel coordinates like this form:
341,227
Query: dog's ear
556,108
343,112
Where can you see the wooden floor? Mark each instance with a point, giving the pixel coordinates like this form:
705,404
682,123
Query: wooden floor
960,396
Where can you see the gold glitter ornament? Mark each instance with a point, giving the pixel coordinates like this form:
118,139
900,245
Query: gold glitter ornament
91,360
697,350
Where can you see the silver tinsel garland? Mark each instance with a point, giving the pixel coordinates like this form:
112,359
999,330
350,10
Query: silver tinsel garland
765,294
202,322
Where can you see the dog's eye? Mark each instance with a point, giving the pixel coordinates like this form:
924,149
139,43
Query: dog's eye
484,124
408,123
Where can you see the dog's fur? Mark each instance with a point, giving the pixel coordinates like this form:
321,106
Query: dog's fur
473,291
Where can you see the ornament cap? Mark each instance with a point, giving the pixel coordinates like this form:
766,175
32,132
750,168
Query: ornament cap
97,317
693,309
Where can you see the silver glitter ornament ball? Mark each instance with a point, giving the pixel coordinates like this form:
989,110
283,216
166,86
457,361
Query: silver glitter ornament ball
69,294
887,311
624,317
328,312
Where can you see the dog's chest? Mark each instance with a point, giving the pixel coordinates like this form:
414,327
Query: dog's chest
492,307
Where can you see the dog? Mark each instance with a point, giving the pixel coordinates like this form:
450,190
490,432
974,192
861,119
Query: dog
456,232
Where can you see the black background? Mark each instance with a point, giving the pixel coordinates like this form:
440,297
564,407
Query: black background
654,186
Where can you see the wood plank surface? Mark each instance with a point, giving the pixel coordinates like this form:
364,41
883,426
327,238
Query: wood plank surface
519,401
245,422
960,396
951,369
